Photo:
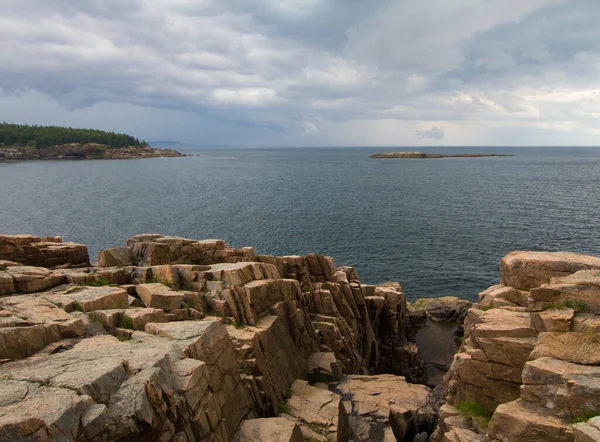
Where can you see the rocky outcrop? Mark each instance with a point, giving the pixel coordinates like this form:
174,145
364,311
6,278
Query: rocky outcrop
175,339
529,361
434,155
76,151
48,251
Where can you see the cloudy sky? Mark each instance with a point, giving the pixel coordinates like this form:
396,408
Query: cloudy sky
307,72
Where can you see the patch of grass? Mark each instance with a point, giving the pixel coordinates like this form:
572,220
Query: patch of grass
288,392
244,368
98,283
485,308
97,320
577,306
123,337
126,322
283,408
583,418
2,268
187,285
238,324
187,308
597,274
474,410
78,307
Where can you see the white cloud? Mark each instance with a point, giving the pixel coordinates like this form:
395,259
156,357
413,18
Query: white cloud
309,71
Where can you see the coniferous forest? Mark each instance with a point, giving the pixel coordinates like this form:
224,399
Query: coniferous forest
45,136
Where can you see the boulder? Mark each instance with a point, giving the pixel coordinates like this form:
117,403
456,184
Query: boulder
444,309
273,429
88,299
32,412
115,257
32,251
387,403
28,324
520,421
157,295
320,410
527,270
553,320
34,279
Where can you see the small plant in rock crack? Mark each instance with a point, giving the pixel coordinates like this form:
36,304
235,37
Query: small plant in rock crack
126,322
283,408
474,410
583,418
577,306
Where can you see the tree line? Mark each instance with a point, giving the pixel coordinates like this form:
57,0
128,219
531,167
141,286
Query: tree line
46,136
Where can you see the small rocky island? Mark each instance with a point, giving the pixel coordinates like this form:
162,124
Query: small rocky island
24,142
435,155
174,339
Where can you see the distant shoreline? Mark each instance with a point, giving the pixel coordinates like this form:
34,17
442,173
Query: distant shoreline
435,155
90,151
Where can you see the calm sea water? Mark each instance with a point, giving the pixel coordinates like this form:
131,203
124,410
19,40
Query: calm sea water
439,226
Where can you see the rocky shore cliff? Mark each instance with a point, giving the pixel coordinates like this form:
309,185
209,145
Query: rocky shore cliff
172,339
77,151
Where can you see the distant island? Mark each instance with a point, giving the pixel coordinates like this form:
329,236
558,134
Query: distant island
435,155
25,142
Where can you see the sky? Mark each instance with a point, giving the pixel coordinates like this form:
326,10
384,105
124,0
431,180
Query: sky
307,72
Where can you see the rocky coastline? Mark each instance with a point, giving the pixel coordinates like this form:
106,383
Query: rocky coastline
173,339
435,155
89,151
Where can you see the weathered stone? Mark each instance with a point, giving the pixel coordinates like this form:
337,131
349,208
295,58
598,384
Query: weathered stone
34,279
499,295
42,413
32,251
526,270
519,421
571,390
116,256
587,431
581,289
462,435
376,398
324,367
7,284
273,429
89,299
580,348
444,309
28,324
553,320
319,409
159,296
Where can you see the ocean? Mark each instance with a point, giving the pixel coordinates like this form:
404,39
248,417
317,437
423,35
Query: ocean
438,226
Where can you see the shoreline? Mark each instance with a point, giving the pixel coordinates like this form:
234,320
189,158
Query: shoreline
76,151
435,155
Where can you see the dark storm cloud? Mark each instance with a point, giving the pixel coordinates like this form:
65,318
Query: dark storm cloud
322,71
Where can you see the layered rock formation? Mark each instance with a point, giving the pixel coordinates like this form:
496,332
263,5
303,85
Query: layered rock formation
530,361
176,339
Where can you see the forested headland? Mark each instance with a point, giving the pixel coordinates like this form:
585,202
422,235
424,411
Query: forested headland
22,135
